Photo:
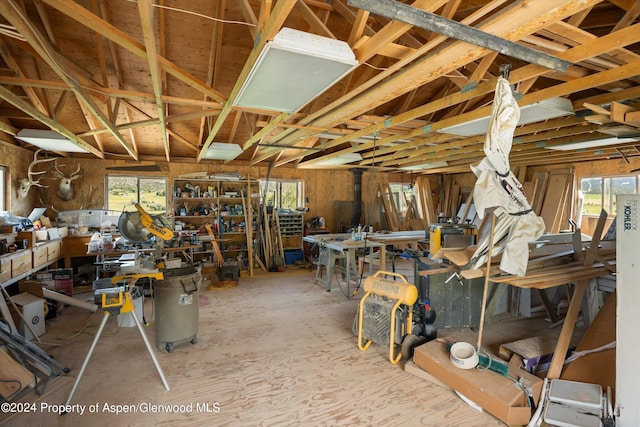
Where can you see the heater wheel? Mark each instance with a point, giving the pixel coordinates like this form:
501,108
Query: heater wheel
409,343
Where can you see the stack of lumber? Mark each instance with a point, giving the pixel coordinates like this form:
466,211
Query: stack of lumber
550,195
420,209
270,253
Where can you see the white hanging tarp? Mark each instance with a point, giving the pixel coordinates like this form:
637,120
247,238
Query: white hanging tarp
497,187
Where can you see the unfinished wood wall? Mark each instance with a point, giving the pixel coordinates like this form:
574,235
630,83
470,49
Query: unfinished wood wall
16,160
322,187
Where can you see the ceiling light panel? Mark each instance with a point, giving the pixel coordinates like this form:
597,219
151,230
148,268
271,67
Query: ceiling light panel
544,110
49,140
293,69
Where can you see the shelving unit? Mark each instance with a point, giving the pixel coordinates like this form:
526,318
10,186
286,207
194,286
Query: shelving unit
291,225
228,206
291,229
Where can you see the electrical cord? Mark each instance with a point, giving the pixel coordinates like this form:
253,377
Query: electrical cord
84,330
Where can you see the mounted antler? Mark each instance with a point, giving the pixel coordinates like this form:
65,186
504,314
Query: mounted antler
25,184
65,187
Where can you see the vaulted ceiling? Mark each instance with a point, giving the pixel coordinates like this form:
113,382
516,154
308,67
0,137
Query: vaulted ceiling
157,80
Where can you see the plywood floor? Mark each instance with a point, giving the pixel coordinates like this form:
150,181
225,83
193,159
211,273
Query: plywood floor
277,350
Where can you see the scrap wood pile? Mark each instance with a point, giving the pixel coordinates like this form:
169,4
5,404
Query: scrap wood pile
554,259
550,194
420,207
269,252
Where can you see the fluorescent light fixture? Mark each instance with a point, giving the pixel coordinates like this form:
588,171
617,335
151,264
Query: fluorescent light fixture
222,151
49,140
340,160
423,166
544,110
592,143
362,139
293,69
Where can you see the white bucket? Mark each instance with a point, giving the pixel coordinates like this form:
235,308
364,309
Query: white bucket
463,355
125,320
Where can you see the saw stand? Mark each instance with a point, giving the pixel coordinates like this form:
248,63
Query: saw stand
122,305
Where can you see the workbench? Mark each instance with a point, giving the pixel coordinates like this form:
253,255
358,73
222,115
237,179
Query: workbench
186,250
409,238
340,247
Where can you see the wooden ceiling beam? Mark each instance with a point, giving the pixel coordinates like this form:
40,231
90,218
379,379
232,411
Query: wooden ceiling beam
358,26
215,61
272,26
470,145
604,44
47,52
94,23
15,67
315,24
6,127
250,17
407,74
146,10
151,121
12,99
391,32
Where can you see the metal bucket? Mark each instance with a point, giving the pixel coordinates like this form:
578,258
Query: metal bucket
176,307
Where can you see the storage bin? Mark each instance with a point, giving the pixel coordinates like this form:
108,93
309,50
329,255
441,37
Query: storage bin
176,307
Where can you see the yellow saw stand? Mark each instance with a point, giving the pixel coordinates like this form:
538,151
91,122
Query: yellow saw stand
120,304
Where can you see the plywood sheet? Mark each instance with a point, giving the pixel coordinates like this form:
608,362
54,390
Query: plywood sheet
597,368
553,201
14,376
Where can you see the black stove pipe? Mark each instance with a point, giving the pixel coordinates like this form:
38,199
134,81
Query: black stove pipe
357,196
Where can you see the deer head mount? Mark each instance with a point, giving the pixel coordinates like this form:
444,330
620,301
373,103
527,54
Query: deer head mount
65,186
25,184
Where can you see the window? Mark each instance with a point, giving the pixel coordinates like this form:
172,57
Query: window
401,192
282,194
600,192
3,188
124,191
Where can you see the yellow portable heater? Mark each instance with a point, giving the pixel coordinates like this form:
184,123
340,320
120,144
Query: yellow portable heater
385,312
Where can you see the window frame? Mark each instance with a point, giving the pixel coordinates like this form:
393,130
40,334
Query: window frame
607,196
4,187
138,178
277,201
396,188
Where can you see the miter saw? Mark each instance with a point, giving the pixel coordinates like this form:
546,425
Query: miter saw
139,227
136,227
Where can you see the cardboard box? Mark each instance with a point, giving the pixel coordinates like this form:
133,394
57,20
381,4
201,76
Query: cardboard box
536,352
208,274
32,309
35,288
60,280
496,394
